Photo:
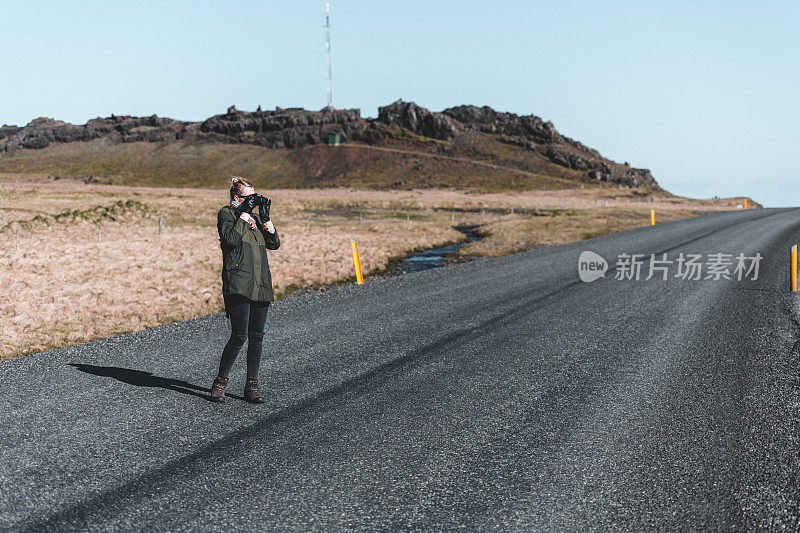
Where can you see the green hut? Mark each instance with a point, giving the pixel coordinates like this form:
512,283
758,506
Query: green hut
333,139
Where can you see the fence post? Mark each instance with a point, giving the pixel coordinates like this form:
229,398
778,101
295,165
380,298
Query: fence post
99,233
160,225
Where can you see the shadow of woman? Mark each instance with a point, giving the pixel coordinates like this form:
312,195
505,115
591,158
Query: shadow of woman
140,378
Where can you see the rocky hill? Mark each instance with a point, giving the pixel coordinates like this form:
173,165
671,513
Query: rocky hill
426,141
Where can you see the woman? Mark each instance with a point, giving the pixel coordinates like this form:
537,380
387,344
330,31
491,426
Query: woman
246,281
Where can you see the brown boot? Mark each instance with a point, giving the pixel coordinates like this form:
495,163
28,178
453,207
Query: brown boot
251,393
218,389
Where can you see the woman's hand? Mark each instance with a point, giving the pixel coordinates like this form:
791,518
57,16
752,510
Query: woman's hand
269,227
264,204
249,219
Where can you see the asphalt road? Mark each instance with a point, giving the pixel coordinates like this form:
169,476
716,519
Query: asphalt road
497,394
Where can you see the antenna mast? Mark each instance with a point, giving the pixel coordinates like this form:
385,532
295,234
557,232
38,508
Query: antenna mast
328,53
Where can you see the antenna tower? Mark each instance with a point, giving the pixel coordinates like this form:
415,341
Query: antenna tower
328,53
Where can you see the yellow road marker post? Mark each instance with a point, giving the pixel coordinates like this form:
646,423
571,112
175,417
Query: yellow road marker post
357,263
793,268
745,204
652,217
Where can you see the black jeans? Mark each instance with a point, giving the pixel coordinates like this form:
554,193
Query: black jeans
248,318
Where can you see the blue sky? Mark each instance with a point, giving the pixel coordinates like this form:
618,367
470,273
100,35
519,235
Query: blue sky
704,93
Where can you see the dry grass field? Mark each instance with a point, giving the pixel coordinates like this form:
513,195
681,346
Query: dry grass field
81,261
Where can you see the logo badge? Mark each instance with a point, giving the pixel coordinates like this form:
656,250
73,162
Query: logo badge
591,266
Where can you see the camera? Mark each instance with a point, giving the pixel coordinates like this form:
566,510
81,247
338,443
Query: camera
256,200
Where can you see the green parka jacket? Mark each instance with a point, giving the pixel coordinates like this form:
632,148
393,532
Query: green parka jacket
245,268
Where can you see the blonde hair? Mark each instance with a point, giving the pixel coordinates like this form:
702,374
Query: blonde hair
238,185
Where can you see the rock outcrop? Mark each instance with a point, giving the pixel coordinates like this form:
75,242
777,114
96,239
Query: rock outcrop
528,131
487,120
297,127
284,128
419,120
7,131
43,132
600,169
281,128
576,161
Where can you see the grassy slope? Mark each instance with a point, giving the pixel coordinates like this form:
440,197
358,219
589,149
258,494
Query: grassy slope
405,161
